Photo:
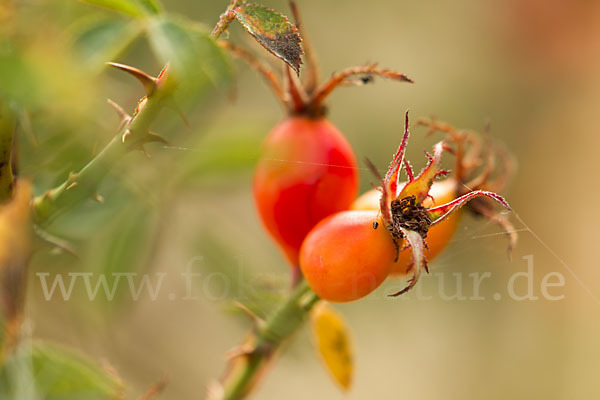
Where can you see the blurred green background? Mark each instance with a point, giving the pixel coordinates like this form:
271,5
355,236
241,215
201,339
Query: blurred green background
528,66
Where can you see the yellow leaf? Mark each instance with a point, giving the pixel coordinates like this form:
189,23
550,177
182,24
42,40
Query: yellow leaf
333,342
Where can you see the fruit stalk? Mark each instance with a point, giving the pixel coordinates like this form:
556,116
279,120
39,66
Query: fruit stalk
247,365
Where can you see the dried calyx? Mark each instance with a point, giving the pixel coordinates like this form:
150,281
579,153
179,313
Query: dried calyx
402,204
306,97
408,214
482,164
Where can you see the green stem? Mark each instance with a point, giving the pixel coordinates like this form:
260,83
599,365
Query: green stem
246,369
7,128
83,184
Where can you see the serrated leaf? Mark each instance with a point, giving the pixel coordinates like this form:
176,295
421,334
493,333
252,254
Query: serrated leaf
196,62
103,40
42,370
135,8
333,342
272,30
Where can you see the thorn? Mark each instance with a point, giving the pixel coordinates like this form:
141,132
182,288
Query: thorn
112,371
72,185
98,198
215,391
118,109
155,137
143,150
184,118
125,118
156,389
238,351
72,176
162,76
126,135
57,242
256,320
140,105
146,80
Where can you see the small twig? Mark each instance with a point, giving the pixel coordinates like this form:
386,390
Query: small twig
297,97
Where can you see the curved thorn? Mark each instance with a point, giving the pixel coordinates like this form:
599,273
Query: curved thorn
146,80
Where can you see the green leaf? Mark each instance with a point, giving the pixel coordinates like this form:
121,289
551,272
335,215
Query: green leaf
272,30
135,8
102,40
46,371
196,62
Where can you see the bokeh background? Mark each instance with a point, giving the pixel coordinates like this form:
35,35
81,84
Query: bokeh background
530,67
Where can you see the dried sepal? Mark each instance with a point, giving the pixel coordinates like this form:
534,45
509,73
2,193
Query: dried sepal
256,64
486,210
389,186
312,66
441,212
297,98
419,186
416,243
346,75
403,205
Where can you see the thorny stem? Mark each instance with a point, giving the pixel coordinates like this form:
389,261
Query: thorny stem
83,184
245,369
7,127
